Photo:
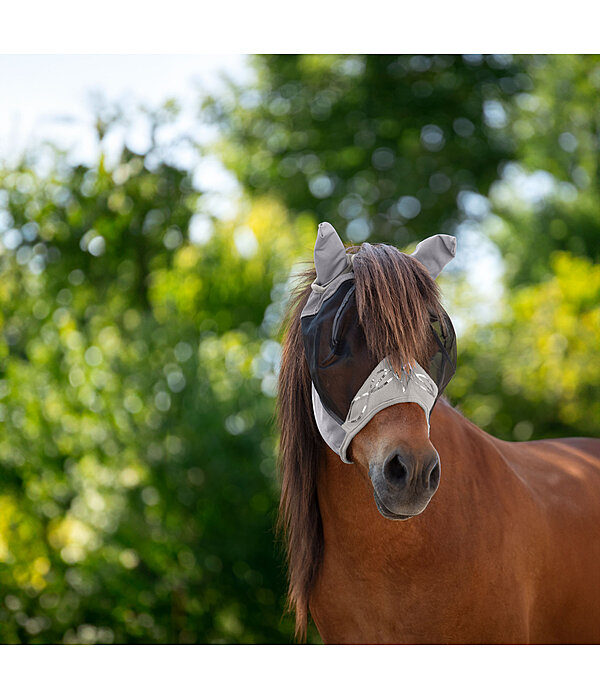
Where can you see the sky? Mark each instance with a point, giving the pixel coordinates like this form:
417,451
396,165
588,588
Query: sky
50,96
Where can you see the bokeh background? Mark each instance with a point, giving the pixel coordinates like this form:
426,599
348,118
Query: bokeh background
146,253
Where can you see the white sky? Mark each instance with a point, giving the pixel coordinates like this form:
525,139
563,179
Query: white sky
50,97
39,93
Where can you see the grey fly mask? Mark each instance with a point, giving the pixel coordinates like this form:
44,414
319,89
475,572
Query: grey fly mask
343,403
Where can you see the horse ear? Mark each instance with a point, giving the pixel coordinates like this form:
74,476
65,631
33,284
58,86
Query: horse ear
436,252
330,254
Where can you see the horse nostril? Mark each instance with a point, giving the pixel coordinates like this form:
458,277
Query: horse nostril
395,472
432,475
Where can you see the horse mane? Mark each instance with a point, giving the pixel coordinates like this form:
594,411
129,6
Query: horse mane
395,296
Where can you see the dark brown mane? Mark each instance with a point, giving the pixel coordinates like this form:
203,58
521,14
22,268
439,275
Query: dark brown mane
395,296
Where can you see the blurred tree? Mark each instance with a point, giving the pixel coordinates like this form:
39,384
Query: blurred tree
535,372
549,198
136,456
384,143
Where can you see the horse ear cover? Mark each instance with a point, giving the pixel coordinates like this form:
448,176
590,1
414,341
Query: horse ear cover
382,387
330,254
435,252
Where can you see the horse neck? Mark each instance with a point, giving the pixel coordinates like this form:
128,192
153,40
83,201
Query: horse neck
472,463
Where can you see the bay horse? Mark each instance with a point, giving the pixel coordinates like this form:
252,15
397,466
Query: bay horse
508,550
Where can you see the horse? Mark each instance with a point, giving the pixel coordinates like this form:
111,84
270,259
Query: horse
504,548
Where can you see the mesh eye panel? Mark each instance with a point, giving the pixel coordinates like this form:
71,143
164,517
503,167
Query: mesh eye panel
336,351
442,365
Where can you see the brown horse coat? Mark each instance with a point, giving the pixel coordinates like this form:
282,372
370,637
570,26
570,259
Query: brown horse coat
508,550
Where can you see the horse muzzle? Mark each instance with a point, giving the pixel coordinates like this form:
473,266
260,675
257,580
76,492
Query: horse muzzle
405,482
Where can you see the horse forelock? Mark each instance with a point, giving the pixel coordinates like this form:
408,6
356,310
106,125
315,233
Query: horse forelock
395,296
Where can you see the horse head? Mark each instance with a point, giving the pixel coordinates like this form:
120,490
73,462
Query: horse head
380,350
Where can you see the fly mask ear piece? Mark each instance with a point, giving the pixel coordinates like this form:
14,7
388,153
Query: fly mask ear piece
348,386
435,252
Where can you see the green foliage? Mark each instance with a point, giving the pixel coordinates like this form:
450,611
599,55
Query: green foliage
137,452
384,143
555,129
535,373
